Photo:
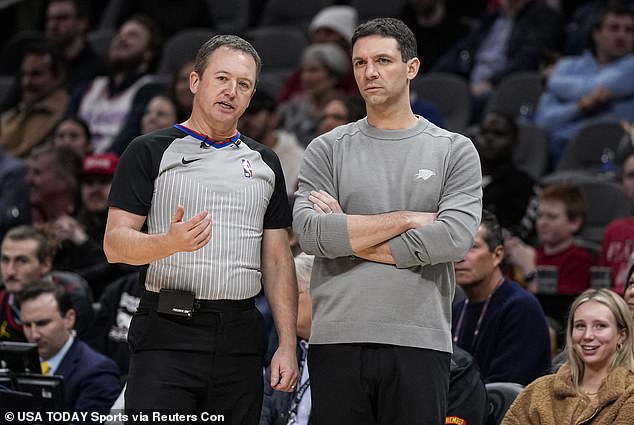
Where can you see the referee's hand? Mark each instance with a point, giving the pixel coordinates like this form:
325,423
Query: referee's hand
190,235
284,370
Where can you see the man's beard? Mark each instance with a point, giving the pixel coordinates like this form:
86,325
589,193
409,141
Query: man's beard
126,65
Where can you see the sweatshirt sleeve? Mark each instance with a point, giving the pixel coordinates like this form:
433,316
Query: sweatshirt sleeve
323,235
459,211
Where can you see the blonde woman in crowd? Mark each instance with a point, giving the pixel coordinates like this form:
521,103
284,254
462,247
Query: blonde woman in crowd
596,384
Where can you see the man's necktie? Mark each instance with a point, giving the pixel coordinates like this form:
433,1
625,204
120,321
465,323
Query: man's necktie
46,368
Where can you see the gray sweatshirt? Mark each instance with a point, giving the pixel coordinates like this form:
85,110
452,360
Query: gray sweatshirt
373,171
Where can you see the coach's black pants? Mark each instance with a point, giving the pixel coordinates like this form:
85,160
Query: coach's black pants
376,384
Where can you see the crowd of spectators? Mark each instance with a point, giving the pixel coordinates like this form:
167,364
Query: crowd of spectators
73,109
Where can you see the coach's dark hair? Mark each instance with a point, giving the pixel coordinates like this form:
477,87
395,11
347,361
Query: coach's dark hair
225,40
42,287
389,27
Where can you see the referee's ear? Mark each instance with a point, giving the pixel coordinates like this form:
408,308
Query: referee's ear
194,81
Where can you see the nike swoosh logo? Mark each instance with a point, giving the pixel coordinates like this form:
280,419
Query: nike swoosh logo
189,161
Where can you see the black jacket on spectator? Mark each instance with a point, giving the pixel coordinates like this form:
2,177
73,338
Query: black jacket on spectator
467,397
508,194
434,41
537,29
116,306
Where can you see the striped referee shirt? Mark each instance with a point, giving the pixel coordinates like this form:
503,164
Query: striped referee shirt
240,182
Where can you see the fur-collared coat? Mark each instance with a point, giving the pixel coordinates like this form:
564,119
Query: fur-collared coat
553,400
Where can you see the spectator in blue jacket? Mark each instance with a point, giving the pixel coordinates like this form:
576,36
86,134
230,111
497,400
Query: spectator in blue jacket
595,86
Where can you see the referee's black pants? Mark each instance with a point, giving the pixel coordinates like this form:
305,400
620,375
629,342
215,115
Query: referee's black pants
377,384
211,361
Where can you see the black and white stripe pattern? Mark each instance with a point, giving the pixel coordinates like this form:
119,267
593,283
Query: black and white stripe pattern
228,267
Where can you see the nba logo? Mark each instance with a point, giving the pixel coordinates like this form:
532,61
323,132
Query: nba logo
246,168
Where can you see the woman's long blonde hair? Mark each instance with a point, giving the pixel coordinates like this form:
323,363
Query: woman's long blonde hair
624,356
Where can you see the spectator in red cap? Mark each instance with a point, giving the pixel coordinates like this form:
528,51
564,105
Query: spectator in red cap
95,181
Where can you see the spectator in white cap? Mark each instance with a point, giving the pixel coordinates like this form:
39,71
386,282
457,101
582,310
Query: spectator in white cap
332,24
323,68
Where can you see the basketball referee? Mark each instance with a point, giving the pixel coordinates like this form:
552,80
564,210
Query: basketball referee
216,211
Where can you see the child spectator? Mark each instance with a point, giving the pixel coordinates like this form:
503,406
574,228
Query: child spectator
560,214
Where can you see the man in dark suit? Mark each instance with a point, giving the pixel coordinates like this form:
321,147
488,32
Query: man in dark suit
91,380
